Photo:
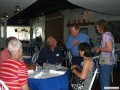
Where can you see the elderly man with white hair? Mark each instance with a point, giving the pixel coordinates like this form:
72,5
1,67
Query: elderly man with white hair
13,70
51,53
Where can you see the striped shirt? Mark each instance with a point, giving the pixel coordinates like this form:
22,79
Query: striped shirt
14,74
4,55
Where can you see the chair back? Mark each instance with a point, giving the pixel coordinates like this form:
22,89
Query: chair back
69,57
35,57
3,86
93,78
117,54
96,61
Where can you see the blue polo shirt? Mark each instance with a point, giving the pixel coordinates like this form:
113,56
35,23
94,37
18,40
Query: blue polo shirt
52,57
74,48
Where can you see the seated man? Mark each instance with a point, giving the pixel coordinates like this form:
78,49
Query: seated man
13,70
51,53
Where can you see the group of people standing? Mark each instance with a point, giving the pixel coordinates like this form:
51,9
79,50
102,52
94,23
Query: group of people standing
82,64
105,50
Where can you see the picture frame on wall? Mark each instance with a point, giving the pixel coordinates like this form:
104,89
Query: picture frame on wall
84,30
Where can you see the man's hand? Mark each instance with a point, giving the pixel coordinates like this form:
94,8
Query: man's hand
76,42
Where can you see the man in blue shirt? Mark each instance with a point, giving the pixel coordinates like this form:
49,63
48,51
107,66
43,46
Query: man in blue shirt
51,53
73,41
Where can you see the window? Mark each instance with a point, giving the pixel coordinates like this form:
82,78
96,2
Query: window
2,31
22,33
84,30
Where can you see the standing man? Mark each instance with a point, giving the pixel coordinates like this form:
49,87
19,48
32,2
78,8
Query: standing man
73,41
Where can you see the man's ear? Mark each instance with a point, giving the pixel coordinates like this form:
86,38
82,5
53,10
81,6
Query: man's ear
20,50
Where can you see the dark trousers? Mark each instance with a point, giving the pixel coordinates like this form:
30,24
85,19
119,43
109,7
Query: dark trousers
76,60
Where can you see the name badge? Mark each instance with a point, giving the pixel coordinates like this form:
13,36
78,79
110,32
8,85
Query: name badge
57,54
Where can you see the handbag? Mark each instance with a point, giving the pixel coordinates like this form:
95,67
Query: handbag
104,60
76,83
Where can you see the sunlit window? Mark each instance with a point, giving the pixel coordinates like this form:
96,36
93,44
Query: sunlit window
2,31
22,33
37,32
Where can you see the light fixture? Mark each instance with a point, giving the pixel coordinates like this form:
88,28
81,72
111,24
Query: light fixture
17,9
2,23
5,16
20,21
42,13
82,13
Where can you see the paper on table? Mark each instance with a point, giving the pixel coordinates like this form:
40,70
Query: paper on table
38,75
26,56
30,71
57,72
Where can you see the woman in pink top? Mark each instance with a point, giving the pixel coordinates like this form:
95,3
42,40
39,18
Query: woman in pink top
5,54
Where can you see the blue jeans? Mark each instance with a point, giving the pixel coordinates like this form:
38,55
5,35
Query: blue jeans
105,74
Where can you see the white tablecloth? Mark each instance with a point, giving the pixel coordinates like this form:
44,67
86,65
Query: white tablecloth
50,71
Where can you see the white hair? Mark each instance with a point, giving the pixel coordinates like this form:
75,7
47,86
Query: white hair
14,46
48,40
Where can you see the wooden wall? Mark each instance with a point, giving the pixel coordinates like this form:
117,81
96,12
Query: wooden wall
54,25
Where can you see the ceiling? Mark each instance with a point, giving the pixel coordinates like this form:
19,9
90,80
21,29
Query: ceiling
34,8
8,7
111,7
39,8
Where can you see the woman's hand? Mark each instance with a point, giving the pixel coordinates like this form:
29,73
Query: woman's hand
97,50
74,66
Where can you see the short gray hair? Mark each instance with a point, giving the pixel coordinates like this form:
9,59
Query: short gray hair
48,39
14,46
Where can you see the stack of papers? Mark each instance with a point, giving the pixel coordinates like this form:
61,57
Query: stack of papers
26,56
38,75
57,72
30,71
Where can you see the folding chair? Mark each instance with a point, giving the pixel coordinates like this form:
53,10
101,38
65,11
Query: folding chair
69,58
117,55
96,58
3,86
35,57
93,78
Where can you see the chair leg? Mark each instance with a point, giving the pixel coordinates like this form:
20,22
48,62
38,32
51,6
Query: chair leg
66,63
112,77
116,65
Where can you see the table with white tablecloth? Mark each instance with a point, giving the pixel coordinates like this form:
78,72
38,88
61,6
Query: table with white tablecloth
51,78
